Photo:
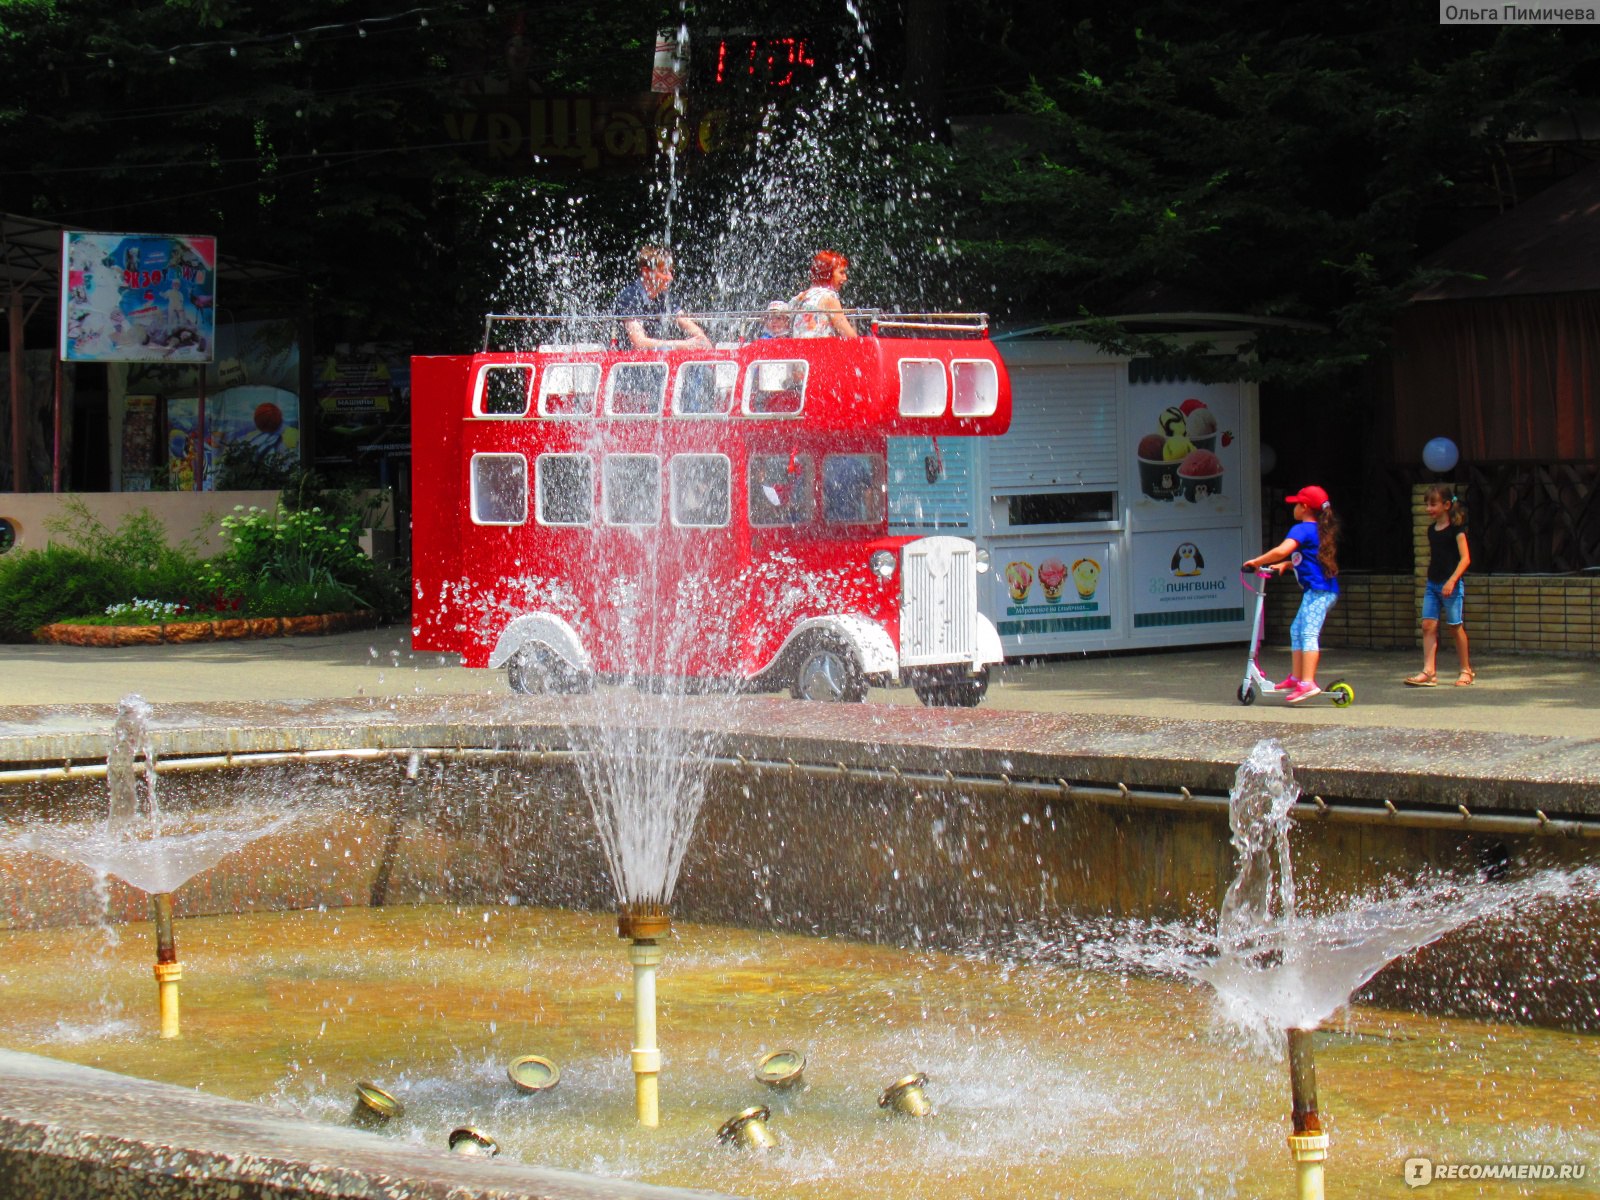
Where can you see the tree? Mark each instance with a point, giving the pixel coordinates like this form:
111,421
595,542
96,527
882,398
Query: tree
1178,158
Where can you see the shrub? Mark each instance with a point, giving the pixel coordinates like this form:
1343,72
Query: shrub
40,587
300,554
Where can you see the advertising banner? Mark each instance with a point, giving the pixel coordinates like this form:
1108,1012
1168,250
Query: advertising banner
130,297
1185,440
1053,588
1187,577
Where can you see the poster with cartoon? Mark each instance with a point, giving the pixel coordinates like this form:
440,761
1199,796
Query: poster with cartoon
132,297
1053,588
258,422
1186,440
1187,577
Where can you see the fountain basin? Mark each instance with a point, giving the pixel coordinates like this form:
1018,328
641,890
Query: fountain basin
289,1009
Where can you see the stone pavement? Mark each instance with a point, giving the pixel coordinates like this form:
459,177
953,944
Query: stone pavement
1522,739
1514,694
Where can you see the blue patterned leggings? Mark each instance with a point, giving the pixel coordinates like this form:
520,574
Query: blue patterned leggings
1307,627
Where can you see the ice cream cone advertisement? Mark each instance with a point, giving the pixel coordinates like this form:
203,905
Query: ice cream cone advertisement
1057,588
1052,576
1086,577
1183,437
1019,580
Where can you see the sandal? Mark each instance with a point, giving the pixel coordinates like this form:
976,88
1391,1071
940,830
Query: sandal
1421,679
1466,677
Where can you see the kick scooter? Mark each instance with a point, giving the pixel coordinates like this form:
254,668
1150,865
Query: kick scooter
1339,693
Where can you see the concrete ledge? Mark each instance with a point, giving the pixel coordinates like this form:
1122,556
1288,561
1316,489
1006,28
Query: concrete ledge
69,1132
1496,772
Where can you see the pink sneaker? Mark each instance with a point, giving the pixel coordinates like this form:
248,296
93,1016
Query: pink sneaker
1303,691
1288,685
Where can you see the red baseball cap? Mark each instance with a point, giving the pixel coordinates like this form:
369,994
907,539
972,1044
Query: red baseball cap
1312,497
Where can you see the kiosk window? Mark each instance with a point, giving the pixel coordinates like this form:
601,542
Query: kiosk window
977,388
499,489
637,389
775,389
632,489
505,391
780,489
569,389
853,489
700,490
922,392
705,389
565,489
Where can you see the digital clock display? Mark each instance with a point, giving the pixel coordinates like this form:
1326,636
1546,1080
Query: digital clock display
756,61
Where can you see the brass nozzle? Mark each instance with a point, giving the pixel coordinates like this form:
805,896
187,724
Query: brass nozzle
643,922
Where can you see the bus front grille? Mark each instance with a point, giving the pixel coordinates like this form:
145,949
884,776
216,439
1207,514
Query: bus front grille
938,601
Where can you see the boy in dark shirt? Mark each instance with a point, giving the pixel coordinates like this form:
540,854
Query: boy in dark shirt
646,307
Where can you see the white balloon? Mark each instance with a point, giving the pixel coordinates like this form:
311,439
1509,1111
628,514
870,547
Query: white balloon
1440,454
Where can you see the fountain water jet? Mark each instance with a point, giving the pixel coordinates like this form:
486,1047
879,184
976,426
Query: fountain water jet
154,852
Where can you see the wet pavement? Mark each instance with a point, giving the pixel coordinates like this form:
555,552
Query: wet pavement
1524,737
1514,694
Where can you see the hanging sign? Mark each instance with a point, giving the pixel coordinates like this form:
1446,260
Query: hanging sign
135,297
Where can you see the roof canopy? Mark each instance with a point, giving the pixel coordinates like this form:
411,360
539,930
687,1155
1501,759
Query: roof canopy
1546,245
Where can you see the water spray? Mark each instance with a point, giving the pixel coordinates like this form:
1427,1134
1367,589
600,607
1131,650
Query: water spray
168,969
645,925
1308,1143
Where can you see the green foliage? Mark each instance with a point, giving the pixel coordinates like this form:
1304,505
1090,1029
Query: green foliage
288,548
139,543
291,562
39,587
245,467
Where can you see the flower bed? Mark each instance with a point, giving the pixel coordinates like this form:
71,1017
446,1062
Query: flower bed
221,630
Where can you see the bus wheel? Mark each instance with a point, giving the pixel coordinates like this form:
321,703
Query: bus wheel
829,670
950,687
537,671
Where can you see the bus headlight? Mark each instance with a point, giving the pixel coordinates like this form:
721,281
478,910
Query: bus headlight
983,561
883,563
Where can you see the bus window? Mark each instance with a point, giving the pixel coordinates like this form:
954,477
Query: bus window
705,389
977,387
632,489
700,490
636,389
565,490
852,489
775,389
922,392
499,489
780,489
568,390
504,391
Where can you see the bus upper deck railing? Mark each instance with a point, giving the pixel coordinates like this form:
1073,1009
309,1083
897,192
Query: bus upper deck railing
598,331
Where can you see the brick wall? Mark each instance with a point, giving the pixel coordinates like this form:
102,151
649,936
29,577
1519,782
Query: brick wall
1558,614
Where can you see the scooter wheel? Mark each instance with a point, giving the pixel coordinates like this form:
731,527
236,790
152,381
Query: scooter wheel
1246,694
1342,694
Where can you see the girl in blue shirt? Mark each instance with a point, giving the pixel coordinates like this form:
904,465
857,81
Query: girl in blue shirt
1311,550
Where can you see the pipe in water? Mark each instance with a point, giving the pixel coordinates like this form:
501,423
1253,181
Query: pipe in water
168,969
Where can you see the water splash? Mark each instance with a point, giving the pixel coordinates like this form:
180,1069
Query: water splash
1272,968
152,850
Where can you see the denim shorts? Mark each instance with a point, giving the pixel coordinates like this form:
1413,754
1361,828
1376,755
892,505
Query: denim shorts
1435,602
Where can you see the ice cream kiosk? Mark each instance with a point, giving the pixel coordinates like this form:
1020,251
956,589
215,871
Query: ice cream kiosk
1116,510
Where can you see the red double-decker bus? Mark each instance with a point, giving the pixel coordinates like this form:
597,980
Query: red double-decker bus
715,516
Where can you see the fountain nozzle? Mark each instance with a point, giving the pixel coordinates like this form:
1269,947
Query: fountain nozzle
748,1129
906,1097
168,969
645,924
1308,1143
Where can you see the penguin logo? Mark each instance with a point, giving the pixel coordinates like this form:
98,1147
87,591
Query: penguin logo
1186,560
